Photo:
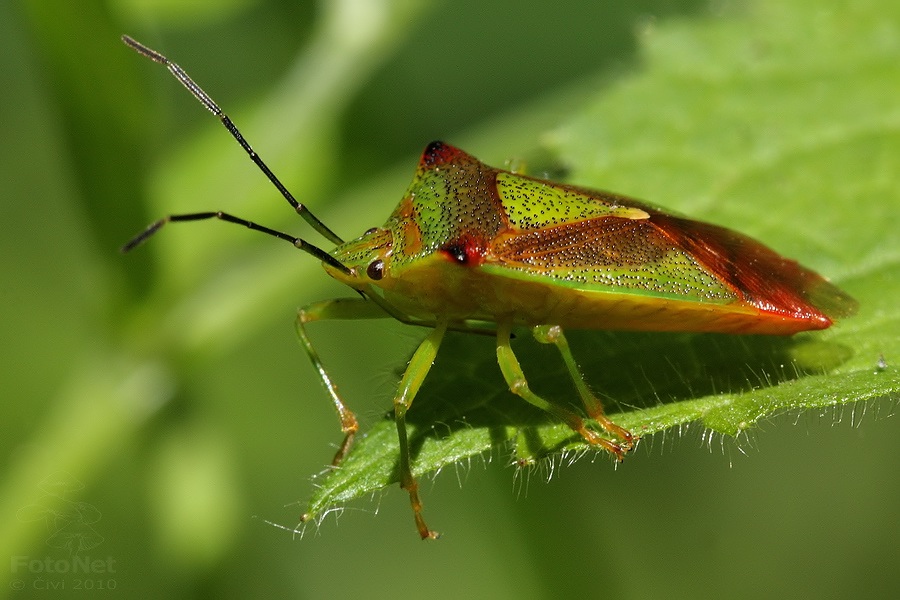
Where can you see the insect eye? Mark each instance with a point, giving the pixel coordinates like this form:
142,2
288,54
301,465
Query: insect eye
375,270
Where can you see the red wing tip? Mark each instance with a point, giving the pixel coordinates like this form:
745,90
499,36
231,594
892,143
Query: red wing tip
820,322
821,307
833,302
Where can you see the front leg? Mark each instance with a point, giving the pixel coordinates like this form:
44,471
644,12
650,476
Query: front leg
339,308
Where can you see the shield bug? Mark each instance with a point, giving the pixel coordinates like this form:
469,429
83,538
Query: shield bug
477,249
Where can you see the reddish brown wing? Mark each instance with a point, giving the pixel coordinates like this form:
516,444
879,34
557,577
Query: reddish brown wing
707,263
765,278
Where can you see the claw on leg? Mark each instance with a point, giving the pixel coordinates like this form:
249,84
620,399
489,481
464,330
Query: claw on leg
628,438
412,487
591,437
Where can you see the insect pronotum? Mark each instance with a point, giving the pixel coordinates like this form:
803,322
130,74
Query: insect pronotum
474,248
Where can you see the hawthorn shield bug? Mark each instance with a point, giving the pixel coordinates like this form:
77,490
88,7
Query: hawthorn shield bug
477,249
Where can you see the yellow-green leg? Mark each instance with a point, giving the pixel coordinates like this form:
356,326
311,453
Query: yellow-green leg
515,379
419,365
553,334
340,308
412,380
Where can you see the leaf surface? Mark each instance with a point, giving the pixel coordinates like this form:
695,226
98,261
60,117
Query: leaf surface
777,122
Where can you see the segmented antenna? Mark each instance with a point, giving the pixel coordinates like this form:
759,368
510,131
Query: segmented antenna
301,210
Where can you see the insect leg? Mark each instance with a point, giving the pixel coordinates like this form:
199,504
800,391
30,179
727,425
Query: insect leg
418,368
553,334
339,308
515,378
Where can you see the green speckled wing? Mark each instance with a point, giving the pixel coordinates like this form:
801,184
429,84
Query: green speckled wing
532,204
609,253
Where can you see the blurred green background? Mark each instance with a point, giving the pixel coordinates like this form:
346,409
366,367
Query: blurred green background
158,413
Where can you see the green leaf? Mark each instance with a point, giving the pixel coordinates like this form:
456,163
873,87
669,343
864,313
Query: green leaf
773,122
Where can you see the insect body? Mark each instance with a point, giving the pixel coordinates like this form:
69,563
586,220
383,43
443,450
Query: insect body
474,248
469,241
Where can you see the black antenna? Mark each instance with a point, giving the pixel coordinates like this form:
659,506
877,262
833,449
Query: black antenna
301,210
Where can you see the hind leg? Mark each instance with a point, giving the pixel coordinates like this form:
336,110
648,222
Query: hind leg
515,378
553,334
